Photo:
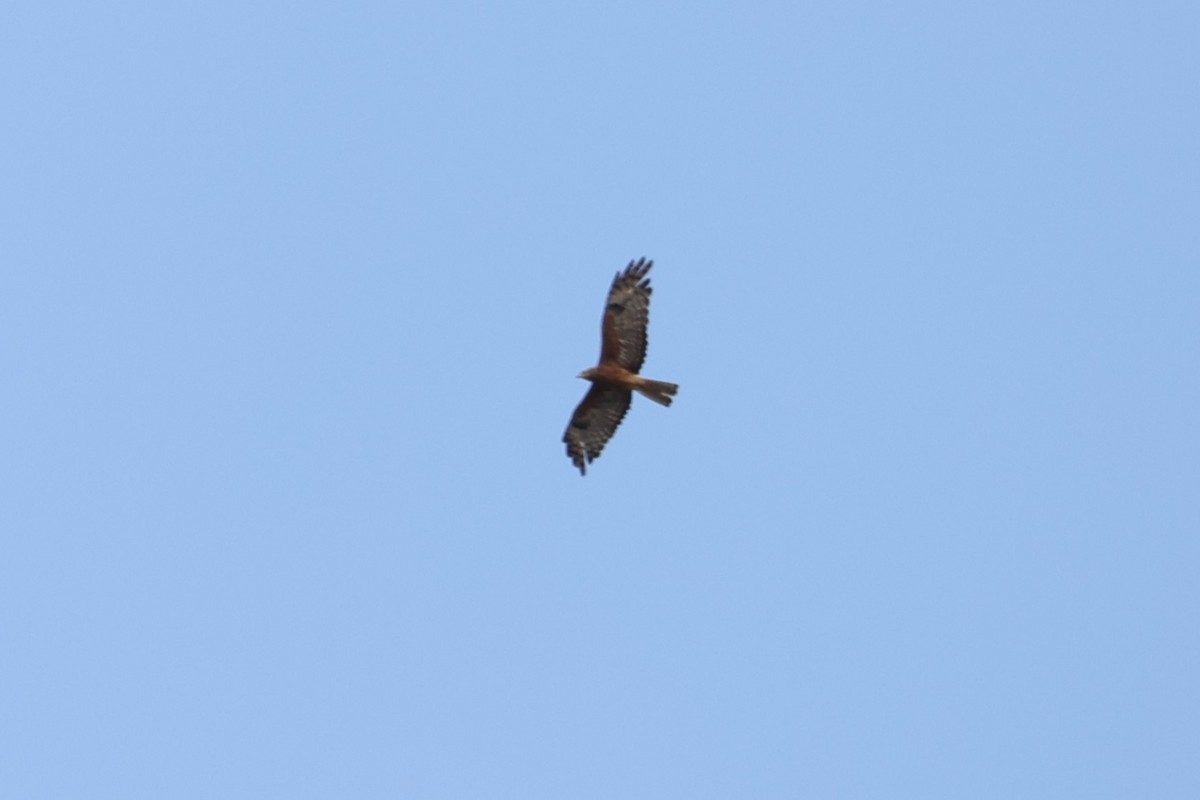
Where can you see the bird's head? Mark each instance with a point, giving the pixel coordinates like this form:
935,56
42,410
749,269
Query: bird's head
587,374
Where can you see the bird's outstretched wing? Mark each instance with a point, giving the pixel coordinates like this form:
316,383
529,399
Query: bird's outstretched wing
626,316
594,422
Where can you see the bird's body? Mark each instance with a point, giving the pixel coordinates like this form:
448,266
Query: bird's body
615,378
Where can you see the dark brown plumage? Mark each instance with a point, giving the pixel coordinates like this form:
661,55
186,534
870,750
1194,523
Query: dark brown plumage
622,352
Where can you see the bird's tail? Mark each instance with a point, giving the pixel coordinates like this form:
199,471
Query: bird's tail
659,391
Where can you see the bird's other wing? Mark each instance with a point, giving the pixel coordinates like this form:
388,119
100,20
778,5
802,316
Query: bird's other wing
594,422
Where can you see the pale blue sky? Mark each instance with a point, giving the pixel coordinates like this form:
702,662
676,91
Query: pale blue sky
294,299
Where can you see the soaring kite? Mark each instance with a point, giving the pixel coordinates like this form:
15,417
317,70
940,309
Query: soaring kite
615,378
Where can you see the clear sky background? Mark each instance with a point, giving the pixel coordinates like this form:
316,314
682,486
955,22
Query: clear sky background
293,300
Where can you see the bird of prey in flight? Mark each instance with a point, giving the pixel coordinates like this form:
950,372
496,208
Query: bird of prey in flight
615,378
